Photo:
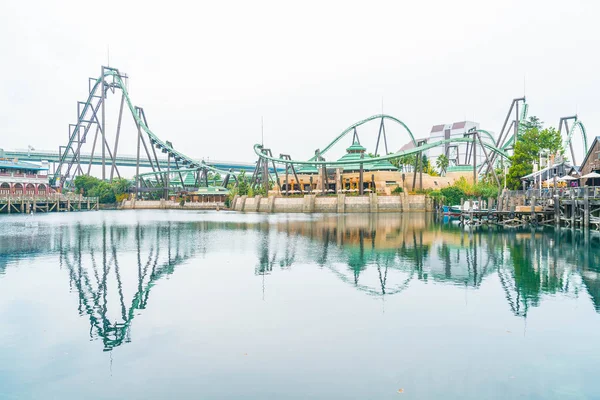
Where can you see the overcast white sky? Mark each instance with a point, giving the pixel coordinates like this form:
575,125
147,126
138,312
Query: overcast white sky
205,72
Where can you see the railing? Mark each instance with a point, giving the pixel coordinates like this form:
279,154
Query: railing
593,192
18,197
23,175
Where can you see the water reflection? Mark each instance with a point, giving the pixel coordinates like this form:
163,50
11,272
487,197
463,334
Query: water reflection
380,255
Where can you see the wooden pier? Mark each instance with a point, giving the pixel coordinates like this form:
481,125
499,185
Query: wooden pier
56,202
571,208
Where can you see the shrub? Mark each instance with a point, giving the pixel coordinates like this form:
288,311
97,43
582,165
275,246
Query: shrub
120,197
452,194
104,192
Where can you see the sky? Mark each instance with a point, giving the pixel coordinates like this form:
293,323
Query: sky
207,73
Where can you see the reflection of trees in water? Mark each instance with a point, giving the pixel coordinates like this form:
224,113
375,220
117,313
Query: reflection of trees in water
528,264
546,262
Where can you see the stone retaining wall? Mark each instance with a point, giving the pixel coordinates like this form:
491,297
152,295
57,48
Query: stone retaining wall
167,205
332,204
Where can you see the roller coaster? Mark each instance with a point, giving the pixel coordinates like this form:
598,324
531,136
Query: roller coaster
69,163
184,173
494,149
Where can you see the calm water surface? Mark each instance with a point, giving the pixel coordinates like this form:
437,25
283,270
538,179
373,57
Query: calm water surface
157,305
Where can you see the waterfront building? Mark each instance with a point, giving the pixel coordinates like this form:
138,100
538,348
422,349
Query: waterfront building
558,169
459,153
378,176
591,163
18,178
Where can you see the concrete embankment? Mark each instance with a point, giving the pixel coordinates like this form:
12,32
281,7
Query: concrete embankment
332,204
168,205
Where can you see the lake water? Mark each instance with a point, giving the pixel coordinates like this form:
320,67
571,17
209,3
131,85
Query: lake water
217,305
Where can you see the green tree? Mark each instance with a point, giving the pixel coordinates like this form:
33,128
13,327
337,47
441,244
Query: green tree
442,163
409,161
452,195
86,183
424,164
121,186
533,122
243,186
104,192
527,149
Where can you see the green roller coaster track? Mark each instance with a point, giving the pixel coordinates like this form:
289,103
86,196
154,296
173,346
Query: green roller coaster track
364,121
499,151
398,154
403,153
155,140
577,124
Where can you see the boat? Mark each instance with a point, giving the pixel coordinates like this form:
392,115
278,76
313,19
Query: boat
458,209
452,210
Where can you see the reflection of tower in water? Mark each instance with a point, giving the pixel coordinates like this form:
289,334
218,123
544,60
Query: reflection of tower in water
113,269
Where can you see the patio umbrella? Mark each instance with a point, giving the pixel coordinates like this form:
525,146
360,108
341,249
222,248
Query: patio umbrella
591,175
567,178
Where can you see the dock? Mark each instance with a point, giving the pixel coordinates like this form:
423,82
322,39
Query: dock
55,202
572,208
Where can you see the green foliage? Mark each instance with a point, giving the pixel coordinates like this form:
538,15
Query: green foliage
403,162
423,191
527,149
486,190
120,197
85,183
90,186
428,169
104,192
464,190
442,163
259,190
398,190
533,122
243,187
452,195
229,199
436,195
121,186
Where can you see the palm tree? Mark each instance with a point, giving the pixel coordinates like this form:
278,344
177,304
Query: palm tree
442,163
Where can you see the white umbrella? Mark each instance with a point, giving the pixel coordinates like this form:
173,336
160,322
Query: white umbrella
591,175
567,178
